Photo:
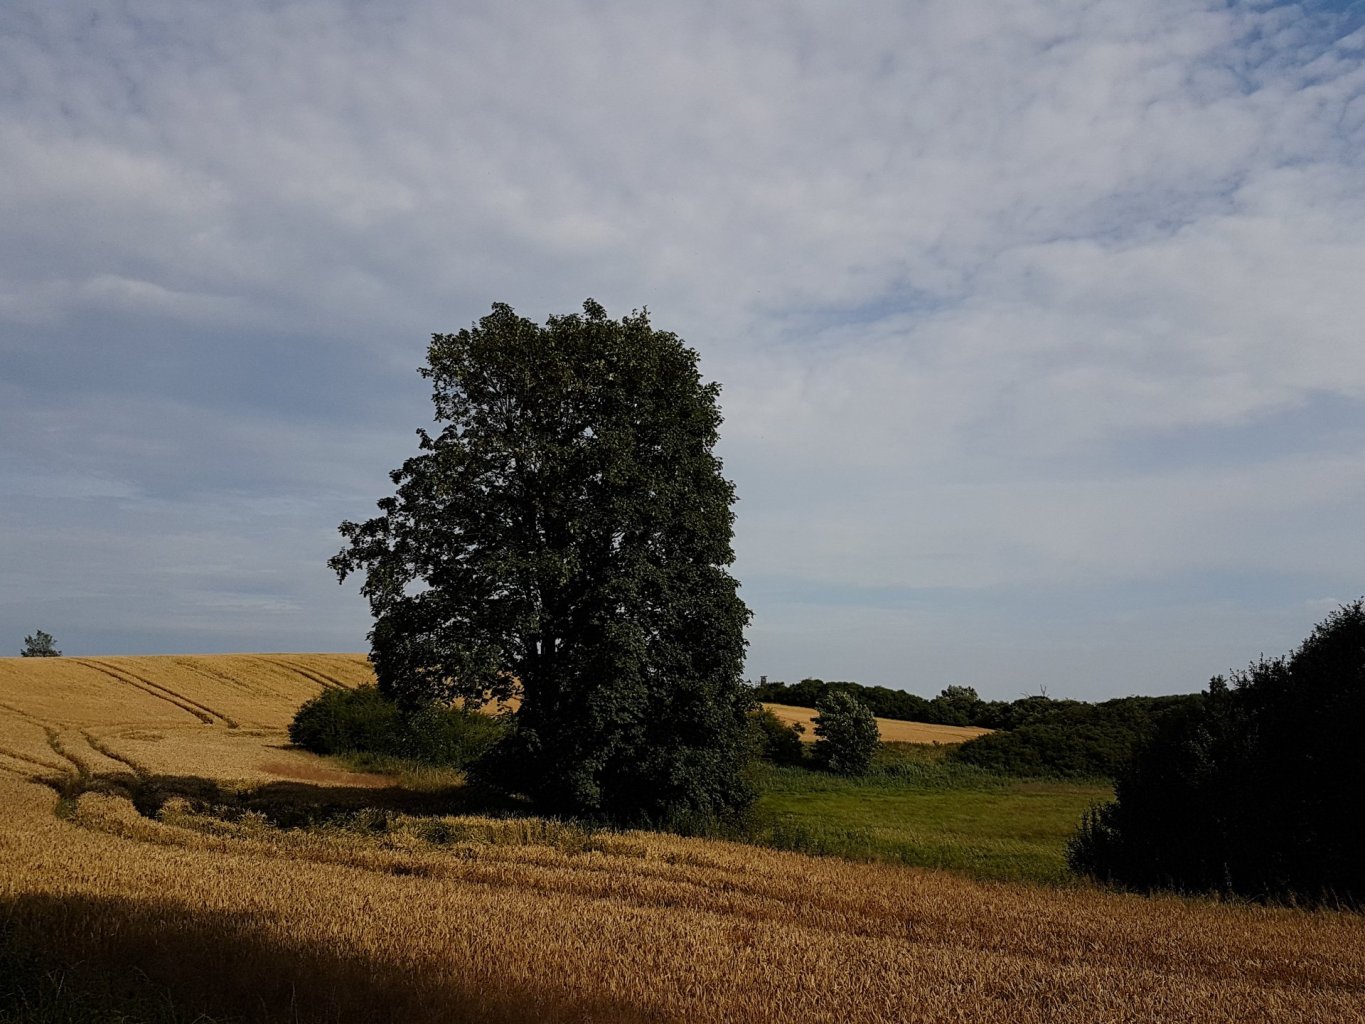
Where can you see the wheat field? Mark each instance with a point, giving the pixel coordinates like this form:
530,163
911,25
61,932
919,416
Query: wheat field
130,843
891,730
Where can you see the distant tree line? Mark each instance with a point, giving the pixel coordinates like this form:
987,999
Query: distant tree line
1036,735
955,705
1069,738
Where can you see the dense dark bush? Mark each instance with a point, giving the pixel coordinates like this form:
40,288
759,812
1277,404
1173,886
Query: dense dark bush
775,740
365,721
847,734
447,735
1256,790
343,721
1069,738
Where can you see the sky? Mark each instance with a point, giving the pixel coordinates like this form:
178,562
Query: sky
1038,322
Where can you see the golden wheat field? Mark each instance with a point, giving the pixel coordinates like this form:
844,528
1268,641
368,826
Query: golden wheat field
891,730
142,832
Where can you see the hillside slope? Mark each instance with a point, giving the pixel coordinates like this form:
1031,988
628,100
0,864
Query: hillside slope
154,825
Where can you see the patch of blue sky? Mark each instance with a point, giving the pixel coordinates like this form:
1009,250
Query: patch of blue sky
1300,33
1350,14
1321,425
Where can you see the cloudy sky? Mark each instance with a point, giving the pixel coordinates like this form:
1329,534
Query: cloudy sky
1039,323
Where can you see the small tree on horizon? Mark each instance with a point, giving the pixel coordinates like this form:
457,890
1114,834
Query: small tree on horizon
40,645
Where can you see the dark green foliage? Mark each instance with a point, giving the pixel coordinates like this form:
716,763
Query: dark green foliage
847,734
567,533
448,736
346,721
1257,790
40,645
883,701
1069,739
955,705
775,740
364,721
1000,714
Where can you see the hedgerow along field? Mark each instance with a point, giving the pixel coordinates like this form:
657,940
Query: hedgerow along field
160,835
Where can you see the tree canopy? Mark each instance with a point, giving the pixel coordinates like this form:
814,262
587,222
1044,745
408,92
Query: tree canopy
564,538
847,734
40,645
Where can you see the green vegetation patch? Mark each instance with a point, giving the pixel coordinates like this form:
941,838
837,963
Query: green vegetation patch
922,810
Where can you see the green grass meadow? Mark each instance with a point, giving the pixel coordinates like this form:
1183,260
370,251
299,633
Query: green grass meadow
918,808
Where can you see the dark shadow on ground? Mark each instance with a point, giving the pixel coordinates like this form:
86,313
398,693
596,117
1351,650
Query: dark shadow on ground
288,804
87,958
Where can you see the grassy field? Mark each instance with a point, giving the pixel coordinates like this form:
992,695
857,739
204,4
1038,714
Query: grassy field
161,844
920,809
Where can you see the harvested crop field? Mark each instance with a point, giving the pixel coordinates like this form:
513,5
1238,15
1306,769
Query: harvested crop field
891,730
244,878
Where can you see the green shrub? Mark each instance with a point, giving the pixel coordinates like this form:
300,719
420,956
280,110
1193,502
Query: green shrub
775,740
347,721
448,735
364,721
847,734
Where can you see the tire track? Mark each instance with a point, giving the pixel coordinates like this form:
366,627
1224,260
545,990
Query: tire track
203,712
219,676
46,726
24,714
100,746
227,719
54,740
27,759
325,681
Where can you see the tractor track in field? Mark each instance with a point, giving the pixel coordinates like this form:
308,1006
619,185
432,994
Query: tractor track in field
203,712
29,715
99,745
54,740
312,675
29,762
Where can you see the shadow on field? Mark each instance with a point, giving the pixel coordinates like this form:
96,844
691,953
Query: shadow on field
287,804
88,958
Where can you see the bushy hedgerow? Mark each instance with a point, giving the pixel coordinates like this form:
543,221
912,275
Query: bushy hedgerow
1071,739
1257,790
364,721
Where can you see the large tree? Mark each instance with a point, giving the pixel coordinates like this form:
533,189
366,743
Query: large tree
564,538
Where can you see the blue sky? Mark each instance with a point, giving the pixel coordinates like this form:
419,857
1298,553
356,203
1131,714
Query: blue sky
1039,323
